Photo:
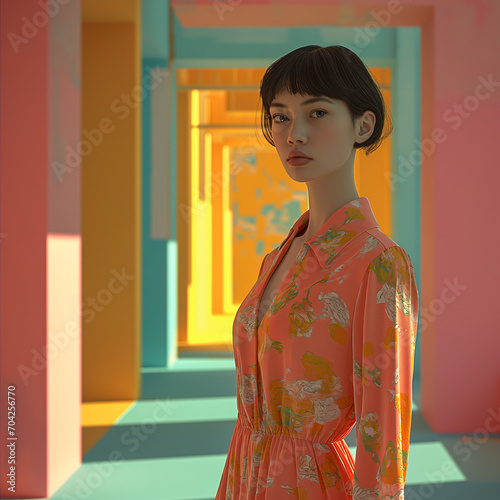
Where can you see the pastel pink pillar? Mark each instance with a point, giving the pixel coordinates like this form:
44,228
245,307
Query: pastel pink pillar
460,334
460,270
40,257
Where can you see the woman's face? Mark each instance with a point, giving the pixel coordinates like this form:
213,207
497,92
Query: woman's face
319,127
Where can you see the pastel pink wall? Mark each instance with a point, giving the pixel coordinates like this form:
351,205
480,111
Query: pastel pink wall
460,244
40,258
459,332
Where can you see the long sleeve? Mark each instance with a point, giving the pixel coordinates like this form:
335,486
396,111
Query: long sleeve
383,339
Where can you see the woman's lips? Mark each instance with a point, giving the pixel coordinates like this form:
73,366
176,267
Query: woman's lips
298,160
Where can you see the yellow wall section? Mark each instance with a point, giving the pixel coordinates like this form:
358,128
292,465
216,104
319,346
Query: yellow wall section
110,11
111,231
241,201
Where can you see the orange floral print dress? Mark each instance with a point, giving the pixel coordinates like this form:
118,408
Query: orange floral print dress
335,349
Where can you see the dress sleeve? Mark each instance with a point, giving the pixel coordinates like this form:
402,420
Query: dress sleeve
384,333
262,266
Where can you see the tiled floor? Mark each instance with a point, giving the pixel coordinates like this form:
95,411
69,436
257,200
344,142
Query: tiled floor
172,446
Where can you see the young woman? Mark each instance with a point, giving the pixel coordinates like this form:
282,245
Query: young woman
325,339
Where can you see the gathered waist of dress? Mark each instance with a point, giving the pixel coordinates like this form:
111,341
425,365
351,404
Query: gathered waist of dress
283,431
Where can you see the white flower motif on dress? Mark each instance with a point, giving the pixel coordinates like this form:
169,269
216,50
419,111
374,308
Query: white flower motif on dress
247,317
306,334
356,203
267,484
370,244
390,492
248,389
249,326
386,296
245,469
307,469
325,410
387,255
332,277
335,307
364,493
337,269
301,389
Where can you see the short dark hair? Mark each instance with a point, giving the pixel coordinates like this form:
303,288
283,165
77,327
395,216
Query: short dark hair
334,71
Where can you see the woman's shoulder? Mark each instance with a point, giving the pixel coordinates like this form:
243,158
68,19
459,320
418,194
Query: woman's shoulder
376,246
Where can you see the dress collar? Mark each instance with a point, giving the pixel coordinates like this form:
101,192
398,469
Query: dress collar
342,227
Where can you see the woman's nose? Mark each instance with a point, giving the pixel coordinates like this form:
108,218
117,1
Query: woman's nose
297,132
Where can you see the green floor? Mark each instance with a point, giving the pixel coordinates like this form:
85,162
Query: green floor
172,445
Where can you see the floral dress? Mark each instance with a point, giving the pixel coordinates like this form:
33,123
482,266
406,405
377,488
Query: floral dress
335,349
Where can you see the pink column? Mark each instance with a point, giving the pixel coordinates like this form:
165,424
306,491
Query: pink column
40,251
458,329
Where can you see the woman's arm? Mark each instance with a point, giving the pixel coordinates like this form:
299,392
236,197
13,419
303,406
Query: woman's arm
383,335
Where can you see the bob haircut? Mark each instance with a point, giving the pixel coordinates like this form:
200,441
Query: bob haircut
333,71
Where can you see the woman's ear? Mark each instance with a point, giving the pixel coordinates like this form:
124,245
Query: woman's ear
365,126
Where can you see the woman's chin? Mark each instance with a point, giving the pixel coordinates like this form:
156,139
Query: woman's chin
300,174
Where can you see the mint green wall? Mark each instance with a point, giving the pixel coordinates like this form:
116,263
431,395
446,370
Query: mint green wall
405,162
156,336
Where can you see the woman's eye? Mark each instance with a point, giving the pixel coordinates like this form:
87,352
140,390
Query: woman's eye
285,118
278,121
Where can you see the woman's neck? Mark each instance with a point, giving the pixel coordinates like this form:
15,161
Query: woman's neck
324,200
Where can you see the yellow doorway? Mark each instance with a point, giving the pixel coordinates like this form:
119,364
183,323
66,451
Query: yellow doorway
235,201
